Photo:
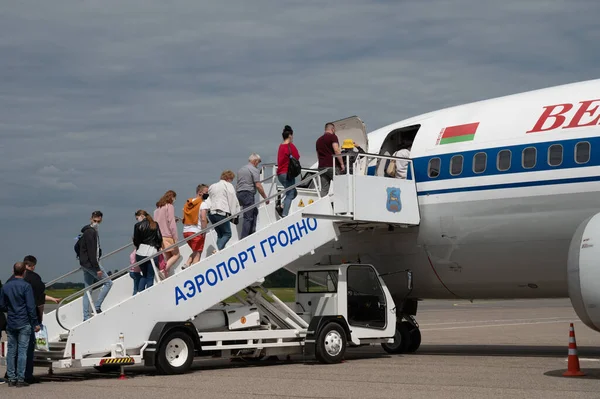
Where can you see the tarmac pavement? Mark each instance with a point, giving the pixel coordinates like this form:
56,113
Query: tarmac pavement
487,349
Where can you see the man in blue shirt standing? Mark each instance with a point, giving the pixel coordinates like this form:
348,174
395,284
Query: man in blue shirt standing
17,298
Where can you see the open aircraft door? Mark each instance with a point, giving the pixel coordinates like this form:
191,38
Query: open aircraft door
352,128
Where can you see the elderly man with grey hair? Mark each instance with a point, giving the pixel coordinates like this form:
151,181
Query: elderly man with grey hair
248,183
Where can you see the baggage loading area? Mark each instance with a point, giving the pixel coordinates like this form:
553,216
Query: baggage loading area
184,316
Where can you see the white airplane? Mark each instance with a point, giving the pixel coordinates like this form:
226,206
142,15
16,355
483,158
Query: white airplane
506,188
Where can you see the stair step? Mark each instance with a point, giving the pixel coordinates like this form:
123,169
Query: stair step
64,337
57,345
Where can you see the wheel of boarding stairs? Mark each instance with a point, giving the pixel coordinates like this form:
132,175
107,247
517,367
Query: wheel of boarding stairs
401,339
175,353
331,344
415,337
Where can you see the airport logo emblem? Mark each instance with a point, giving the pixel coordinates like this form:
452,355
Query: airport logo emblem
393,200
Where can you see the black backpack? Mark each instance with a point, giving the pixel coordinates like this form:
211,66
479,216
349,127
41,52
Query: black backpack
294,168
77,246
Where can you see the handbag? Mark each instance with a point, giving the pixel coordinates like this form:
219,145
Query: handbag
391,169
162,265
294,167
41,339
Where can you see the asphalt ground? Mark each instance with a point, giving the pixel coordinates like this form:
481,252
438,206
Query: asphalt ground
488,349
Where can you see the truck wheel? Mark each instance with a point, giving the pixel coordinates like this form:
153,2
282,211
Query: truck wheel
331,344
175,353
401,340
415,338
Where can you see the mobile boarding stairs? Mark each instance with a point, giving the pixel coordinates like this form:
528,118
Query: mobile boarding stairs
131,329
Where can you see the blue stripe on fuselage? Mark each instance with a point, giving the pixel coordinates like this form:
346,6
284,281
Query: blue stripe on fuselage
568,162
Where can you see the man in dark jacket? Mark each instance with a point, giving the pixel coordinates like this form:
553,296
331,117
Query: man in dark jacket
17,299
2,325
40,298
89,254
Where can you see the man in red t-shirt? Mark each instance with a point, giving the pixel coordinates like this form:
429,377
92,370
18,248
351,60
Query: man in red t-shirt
327,146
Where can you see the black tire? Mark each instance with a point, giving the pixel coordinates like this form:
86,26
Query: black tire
331,344
175,353
415,338
401,340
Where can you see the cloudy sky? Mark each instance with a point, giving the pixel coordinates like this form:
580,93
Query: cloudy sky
106,105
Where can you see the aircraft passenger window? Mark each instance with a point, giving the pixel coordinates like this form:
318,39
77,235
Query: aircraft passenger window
555,154
479,162
434,167
582,152
456,165
504,160
529,157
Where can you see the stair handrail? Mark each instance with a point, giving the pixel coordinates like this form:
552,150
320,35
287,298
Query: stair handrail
56,280
177,244
369,156
118,250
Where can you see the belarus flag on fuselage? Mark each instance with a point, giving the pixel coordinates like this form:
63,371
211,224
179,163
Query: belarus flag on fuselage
456,134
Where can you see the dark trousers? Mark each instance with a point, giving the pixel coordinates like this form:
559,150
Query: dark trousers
147,271
246,199
326,179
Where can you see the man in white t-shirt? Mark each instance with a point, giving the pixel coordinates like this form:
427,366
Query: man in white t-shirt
223,204
195,219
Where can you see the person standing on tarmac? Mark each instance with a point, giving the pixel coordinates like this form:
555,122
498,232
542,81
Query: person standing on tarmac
2,328
40,298
17,299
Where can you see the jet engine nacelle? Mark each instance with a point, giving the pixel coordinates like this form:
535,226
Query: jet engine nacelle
583,272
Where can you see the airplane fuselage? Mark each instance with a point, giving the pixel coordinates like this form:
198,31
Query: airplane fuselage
502,186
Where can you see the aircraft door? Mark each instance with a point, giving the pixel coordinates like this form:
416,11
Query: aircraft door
354,129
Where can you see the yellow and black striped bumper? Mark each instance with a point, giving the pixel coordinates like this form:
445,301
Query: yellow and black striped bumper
122,361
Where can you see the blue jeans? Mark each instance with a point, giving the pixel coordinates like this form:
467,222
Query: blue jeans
18,343
136,281
290,195
147,278
246,199
223,231
30,353
89,278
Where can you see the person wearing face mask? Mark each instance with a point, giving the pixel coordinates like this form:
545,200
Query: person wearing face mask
194,221
147,240
89,255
